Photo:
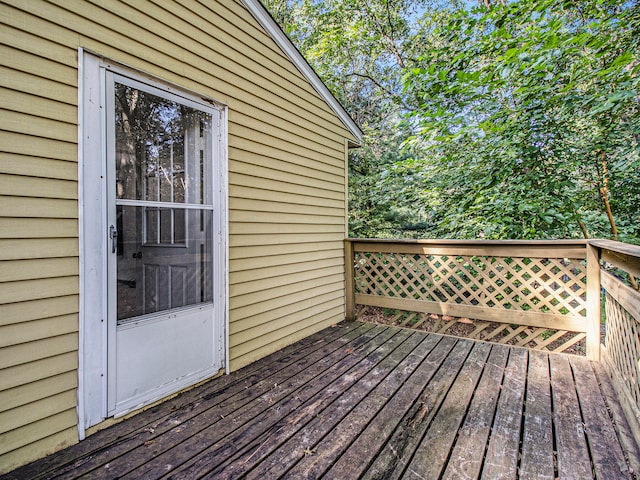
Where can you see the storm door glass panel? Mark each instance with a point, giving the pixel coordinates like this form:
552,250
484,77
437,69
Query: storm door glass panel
163,162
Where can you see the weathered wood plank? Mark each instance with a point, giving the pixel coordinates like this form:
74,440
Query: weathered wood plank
319,453
151,423
430,458
493,314
364,401
608,459
537,440
371,440
621,254
502,248
392,461
615,246
628,441
317,416
468,454
573,453
350,295
207,428
502,454
593,303
623,294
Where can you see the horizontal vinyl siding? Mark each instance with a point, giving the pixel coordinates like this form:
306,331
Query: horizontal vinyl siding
33,440
286,188
34,167
38,241
304,326
296,304
49,188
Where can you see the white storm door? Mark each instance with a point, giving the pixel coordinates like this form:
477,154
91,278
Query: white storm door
163,334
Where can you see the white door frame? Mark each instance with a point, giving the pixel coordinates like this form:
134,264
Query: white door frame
93,354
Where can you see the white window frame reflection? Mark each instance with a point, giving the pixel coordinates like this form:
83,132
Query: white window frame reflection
150,154
157,176
159,231
196,145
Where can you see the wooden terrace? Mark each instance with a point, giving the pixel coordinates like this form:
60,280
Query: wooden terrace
366,401
360,400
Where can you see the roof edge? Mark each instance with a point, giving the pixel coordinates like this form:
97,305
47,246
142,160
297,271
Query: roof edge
262,15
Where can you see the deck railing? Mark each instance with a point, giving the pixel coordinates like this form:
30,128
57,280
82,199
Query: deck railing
621,349
538,294
528,293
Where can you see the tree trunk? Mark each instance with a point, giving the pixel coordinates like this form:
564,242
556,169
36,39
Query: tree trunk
604,192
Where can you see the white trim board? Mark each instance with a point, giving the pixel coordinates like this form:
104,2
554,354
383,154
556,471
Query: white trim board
81,308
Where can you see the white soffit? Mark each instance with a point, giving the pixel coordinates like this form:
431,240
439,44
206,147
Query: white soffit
265,19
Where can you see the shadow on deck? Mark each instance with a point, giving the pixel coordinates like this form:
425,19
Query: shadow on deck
367,401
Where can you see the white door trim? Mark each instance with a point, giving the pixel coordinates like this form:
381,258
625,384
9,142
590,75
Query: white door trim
92,351
93,346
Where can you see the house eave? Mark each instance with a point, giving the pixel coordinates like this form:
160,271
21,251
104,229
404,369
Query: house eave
265,19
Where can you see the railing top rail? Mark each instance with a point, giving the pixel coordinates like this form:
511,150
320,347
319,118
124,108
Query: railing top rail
618,247
456,242
505,248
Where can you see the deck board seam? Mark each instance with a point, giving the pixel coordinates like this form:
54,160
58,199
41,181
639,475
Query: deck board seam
346,455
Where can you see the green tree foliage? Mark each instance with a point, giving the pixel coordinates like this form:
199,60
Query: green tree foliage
360,50
499,120
530,109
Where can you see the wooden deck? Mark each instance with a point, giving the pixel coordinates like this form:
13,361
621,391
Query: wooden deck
368,401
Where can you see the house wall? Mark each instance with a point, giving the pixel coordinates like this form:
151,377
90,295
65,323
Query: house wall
286,189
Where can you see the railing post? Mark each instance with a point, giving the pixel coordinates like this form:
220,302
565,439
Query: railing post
593,302
350,294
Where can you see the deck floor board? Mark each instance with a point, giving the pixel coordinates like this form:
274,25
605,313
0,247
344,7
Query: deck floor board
392,461
571,444
466,458
308,428
364,401
609,462
537,441
501,459
431,456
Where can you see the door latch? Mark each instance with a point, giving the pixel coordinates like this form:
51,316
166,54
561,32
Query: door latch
113,234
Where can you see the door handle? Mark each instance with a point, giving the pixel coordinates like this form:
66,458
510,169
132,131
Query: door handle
113,234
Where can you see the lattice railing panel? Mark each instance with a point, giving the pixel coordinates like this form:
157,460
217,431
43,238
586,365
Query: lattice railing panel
546,339
623,345
549,285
